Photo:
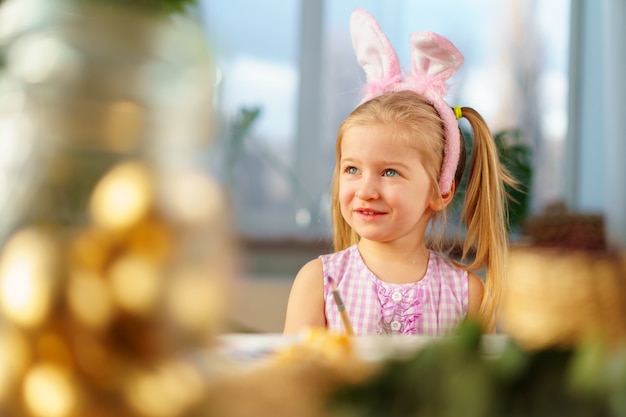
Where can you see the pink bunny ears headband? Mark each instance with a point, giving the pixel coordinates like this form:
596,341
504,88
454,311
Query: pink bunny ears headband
433,59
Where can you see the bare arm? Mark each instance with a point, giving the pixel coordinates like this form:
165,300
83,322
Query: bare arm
476,290
305,307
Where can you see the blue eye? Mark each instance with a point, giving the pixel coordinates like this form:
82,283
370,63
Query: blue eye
390,173
352,170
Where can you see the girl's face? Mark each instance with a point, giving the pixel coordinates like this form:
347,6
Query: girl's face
385,193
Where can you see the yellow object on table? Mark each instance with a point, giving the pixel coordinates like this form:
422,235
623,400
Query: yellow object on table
560,296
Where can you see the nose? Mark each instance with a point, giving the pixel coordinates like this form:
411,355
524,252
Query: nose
367,189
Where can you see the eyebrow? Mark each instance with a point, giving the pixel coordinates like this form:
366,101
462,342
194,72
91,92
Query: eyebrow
381,163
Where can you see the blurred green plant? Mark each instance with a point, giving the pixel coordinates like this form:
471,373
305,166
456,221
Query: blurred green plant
158,6
236,142
239,140
155,6
454,377
517,159
239,130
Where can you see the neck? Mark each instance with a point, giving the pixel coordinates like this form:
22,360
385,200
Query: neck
394,251
395,263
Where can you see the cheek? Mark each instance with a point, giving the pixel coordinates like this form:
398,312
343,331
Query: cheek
346,193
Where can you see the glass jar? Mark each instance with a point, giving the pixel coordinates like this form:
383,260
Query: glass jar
116,244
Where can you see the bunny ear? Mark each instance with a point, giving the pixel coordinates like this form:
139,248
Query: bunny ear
434,59
375,54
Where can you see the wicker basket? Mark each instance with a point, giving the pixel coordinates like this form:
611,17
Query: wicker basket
559,297
556,226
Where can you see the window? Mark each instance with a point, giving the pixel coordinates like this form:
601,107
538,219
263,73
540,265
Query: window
288,81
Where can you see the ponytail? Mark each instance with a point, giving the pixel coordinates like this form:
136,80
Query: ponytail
484,214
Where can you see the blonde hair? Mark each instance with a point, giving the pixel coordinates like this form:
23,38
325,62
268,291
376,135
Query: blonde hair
484,205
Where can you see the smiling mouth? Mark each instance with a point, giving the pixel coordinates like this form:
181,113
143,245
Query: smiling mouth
368,212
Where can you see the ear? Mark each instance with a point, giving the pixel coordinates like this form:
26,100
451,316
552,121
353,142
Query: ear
375,54
438,203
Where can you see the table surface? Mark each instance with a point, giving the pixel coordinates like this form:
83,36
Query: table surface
252,347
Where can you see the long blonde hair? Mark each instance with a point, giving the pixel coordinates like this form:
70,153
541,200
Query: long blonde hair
484,206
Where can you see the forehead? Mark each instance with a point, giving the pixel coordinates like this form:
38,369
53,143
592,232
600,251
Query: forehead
376,140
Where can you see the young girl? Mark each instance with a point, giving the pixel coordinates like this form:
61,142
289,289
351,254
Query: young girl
399,161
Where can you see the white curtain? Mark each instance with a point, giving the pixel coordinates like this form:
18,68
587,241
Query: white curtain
614,14
595,157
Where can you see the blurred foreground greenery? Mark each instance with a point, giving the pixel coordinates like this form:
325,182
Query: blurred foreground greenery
153,6
454,377
149,6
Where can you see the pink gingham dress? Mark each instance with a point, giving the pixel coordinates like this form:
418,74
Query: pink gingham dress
432,306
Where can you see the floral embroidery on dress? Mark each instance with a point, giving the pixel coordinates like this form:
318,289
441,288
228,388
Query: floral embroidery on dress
401,308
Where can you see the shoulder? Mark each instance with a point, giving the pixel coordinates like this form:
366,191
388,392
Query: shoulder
447,266
467,280
310,278
311,270
337,263
476,291
305,306
340,256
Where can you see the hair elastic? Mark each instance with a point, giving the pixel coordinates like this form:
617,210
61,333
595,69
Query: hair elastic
434,59
458,112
